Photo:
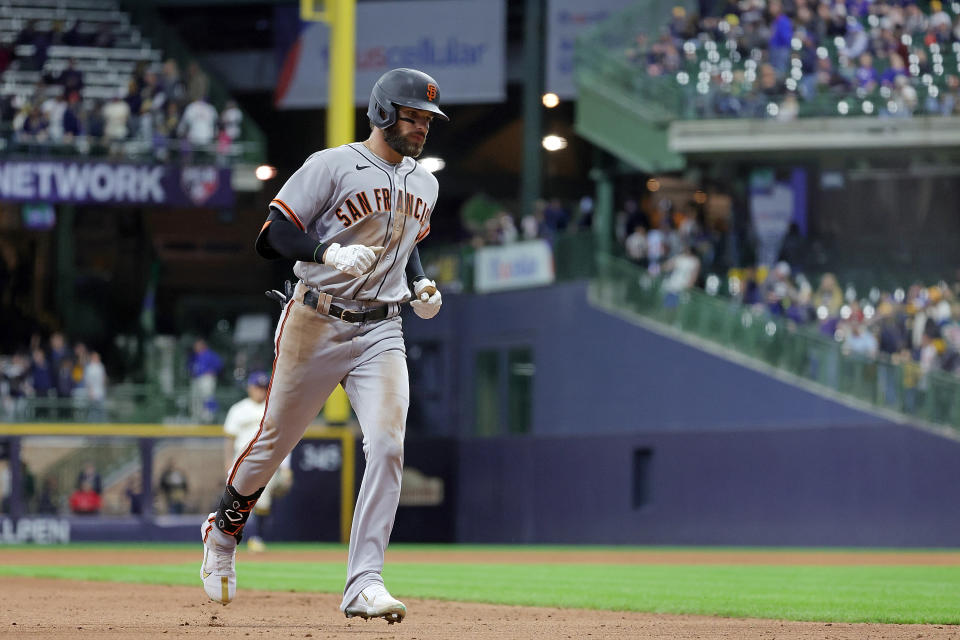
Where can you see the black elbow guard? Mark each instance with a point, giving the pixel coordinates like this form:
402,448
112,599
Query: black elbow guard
263,247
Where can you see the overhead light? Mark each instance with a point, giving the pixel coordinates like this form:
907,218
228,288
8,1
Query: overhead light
550,100
554,143
265,172
432,164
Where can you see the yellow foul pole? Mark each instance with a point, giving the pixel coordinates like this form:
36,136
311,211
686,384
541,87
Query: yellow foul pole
340,109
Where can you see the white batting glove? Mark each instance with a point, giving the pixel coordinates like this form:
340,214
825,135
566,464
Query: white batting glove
426,298
354,259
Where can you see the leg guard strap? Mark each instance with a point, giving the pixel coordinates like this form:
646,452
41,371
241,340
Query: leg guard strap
234,510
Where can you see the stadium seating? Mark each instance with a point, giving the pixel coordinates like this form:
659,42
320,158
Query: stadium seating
714,67
112,52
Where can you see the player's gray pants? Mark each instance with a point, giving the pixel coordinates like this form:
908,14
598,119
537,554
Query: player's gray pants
313,353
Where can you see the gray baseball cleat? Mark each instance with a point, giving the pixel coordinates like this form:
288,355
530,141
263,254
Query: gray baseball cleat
376,602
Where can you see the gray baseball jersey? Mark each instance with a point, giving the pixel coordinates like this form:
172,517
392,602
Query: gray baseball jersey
350,196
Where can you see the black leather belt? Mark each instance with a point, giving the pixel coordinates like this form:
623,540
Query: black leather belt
311,299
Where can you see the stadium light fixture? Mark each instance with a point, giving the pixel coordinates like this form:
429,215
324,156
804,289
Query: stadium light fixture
550,100
432,164
265,172
554,142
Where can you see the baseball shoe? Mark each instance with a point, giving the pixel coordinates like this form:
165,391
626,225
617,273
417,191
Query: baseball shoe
376,602
218,570
256,544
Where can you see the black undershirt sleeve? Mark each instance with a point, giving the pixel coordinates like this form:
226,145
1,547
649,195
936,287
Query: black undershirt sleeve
280,238
414,269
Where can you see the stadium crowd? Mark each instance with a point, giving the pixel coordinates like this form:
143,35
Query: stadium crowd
787,58
55,370
919,324
160,108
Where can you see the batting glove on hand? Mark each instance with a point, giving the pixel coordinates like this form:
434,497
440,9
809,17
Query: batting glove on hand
426,299
354,259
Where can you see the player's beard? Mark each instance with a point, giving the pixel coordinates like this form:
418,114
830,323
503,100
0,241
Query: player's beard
400,143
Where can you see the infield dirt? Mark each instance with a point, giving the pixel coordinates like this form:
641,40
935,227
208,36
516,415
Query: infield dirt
42,608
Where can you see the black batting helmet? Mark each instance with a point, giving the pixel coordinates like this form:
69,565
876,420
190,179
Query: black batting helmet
405,88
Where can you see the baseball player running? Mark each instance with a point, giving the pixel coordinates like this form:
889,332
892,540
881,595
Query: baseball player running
351,216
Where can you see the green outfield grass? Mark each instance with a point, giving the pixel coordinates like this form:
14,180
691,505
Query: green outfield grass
892,594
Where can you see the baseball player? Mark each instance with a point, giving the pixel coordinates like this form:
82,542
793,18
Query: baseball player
351,216
241,425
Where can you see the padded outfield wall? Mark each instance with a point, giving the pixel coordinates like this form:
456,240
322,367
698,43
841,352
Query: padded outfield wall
639,439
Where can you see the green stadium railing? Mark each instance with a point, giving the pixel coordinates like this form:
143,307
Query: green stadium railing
126,403
900,387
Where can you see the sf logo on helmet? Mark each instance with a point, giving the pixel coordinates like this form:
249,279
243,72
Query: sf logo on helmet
431,92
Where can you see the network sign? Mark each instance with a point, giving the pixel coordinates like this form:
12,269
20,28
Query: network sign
110,183
460,43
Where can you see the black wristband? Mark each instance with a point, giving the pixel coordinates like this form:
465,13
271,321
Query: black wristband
319,251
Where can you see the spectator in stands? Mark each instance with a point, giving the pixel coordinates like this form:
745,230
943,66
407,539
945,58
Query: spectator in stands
173,487
46,501
173,86
59,350
95,387
93,122
681,271
167,126
90,475
205,365
85,501
828,295
80,359
584,218
856,41
198,123
231,120
64,386
41,376
904,101
16,387
781,35
73,119
54,110
896,69
30,125
134,493
636,245
507,228
40,41
133,98
532,222
555,216
789,109
860,341
116,116
893,337
866,75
